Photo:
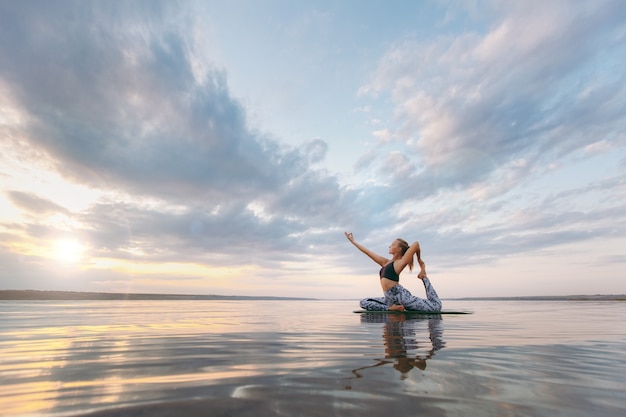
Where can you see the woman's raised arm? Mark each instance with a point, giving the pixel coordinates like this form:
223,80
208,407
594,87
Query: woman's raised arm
380,260
414,249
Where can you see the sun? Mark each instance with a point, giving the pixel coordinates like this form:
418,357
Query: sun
68,250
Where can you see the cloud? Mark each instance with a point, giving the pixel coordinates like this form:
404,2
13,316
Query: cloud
116,98
316,150
34,204
121,108
119,104
539,82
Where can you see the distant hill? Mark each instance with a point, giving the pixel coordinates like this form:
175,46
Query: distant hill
73,295
597,297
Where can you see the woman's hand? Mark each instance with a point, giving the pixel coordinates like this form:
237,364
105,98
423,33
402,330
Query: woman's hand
376,258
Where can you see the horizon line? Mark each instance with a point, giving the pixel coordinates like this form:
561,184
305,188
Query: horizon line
31,294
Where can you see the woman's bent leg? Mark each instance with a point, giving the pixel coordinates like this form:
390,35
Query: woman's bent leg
374,304
411,302
431,294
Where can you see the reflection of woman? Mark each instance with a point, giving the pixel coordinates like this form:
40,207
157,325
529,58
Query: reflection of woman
396,296
399,338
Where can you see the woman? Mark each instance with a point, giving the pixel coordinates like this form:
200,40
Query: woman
398,298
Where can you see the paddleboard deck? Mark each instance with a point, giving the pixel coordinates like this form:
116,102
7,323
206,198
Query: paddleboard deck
412,313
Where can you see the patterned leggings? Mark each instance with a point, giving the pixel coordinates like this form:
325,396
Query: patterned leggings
401,296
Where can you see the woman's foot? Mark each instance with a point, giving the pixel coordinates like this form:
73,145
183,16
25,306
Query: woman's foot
397,307
422,273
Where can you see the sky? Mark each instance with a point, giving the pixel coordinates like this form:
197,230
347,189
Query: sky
218,147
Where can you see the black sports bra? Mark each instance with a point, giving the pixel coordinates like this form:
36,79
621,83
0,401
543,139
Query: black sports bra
389,272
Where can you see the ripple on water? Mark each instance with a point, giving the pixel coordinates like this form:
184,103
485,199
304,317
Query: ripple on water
206,358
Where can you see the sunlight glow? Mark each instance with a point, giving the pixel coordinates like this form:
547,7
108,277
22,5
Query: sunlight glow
68,250
170,268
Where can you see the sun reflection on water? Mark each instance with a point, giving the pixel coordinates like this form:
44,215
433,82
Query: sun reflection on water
63,358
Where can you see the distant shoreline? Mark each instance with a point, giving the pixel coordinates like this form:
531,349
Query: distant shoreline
42,295
597,297
23,295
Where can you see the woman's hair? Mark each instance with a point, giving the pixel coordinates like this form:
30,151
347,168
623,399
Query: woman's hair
405,246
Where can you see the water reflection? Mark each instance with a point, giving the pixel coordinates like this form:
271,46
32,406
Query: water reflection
401,339
245,358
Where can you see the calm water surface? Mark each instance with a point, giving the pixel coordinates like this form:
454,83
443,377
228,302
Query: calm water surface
310,358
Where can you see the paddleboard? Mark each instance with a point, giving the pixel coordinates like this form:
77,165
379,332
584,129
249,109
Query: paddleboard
412,313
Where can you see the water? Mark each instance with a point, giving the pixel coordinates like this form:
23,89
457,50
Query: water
310,358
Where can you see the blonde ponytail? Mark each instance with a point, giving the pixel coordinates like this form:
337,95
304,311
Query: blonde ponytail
405,246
